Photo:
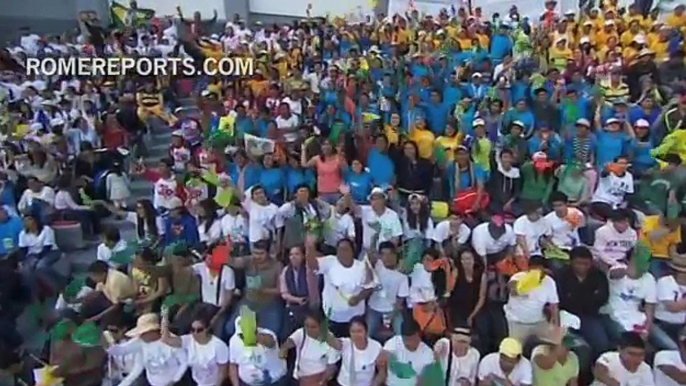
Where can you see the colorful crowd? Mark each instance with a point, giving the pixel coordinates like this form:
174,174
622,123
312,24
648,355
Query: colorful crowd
404,200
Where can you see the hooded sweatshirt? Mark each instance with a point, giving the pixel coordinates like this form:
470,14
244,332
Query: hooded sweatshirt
504,185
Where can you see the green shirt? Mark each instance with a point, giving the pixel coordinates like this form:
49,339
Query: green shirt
535,187
559,375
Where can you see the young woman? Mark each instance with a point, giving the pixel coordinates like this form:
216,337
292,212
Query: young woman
469,294
458,359
67,209
208,356
417,222
209,223
234,227
149,226
149,279
299,288
359,355
38,255
315,357
330,167
117,184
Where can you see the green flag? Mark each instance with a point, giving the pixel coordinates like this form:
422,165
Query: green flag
432,374
248,325
85,199
412,253
60,330
118,13
400,369
74,287
177,299
126,255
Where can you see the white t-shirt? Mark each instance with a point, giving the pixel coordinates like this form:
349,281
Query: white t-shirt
205,360
104,253
389,224
392,285
252,362
364,363
442,233
262,220
416,233
132,217
422,289
642,377
312,355
532,231
484,244
529,308
165,191
234,228
46,195
211,235
669,291
522,374
627,295
667,358
338,227
418,359
611,246
287,124
612,189
565,235
164,364
462,368
208,283
340,284
36,242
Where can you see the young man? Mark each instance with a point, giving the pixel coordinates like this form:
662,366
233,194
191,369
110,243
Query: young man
506,367
614,240
670,312
670,366
112,289
626,366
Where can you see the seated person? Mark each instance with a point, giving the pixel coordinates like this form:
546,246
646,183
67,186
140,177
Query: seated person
78,365
10,228
38,255
38,199
112,290
111,245
626,366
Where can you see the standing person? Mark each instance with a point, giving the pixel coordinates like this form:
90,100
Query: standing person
359,355
315,358
208,356
163,364
346,283
404,356
526,312
583,289
626,366
670,366
259,365
458,359
217,284
468,296
386,304
330,167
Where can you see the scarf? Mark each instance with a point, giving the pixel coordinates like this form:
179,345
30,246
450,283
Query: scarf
297,286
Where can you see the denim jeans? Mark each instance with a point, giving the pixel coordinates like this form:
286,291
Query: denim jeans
661,335
269,317
593,332
36,268
375,320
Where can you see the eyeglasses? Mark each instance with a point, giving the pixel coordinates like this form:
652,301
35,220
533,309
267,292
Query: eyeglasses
197,330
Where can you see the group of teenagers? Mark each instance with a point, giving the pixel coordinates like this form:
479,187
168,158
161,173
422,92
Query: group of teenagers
412,200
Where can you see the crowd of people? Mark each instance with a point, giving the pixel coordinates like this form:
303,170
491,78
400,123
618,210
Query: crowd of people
406,200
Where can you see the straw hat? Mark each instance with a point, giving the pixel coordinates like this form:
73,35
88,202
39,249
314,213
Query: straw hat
145,323
678,263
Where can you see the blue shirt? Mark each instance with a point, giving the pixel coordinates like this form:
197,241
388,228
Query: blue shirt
9,234
609,145
184,229
360,185
381,168
273,181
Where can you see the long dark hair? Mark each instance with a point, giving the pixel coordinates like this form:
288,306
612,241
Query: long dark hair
210,213
149,219
419,220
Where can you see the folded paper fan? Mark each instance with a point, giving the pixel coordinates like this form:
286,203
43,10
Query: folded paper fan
44,376
62,329
641,257
248,324
224,197
432,374
179,299
85,199
412,253
126,255
210,176
87,335
529,281
400,369
74,287
554,252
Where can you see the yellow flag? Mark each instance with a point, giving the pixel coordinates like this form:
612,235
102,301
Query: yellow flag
529,282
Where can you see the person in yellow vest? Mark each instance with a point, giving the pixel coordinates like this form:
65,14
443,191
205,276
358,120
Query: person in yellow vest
632,14
423,137
587,32
677,19
450,141
597,20
606,33
612,45
464,40
151,104
559,54
628,36
392,129
661,45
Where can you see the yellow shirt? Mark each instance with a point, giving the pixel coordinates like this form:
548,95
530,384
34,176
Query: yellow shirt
402,36
392,133
627,38
675,21
117,287
602,37
484,41
559,57
450,144
424,139
465,43
660,49
659,246
629,54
